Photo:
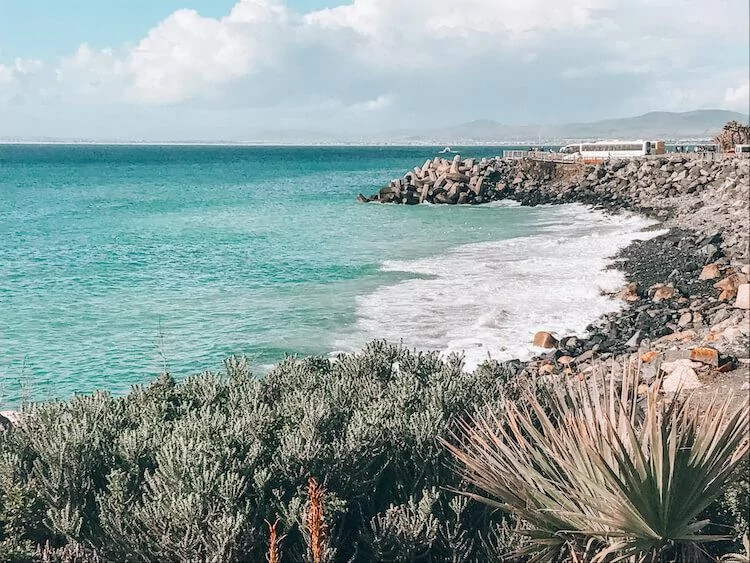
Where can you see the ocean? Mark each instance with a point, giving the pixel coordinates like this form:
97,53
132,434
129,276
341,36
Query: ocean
118,262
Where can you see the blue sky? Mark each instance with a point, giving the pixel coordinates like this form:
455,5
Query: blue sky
239,69
48,28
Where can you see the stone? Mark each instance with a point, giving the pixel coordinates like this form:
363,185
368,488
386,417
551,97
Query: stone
675,355
663,293
544,339
565,360
546,369
685,320
720,316
710,272
629,293
635,340
743,297
585,357
710,251
649,357
457,177
705,355
362,198
424,194
729,286
681,336
455,164
681,376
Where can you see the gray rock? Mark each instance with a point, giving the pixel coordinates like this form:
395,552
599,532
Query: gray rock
585,357
720,316
634,340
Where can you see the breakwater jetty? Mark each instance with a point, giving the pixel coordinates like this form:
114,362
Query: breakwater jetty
701,194
686,307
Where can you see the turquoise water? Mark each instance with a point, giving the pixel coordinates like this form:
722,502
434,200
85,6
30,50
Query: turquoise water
119,261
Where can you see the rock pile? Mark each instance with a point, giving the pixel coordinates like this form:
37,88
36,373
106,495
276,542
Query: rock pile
440,181
666,297
708,196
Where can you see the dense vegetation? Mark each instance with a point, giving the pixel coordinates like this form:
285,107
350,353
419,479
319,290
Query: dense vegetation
200,470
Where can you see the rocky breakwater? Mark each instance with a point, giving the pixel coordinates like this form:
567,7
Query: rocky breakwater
686,305
439,181
702,195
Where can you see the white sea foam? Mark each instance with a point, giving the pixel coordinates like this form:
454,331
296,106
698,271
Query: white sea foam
489,298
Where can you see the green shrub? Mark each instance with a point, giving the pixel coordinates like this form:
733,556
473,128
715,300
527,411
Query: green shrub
194,470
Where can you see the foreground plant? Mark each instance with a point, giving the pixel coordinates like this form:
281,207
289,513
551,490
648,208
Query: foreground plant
196,470
602,473
739,557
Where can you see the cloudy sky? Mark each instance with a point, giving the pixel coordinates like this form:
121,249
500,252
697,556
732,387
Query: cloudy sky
228,69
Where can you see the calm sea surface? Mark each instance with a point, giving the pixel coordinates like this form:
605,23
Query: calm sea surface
116,261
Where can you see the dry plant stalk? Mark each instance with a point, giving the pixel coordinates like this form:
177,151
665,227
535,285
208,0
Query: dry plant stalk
274,543
316,526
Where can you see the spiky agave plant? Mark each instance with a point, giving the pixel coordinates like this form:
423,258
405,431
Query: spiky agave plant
600,472
739,557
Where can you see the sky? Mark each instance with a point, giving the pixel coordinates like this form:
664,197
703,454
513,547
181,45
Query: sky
234,70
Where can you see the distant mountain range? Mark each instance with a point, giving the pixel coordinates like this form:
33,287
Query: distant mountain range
698,125
658,125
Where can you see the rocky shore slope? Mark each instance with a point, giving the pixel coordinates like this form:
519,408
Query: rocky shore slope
686,307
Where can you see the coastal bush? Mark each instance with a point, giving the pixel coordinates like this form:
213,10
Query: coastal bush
321,460
196,470
604,474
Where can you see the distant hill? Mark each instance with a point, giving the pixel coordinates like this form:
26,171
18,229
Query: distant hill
658,125
698,124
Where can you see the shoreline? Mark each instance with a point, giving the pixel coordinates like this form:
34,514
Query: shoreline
485,299
682,317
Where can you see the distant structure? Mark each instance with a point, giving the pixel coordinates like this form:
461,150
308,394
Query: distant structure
592,153
733,134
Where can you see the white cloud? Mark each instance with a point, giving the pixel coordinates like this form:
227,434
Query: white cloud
6,74
380,103
91,75
417,62
738,98
17,79
188,55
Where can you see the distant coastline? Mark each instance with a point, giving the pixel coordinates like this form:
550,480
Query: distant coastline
685,128
551,143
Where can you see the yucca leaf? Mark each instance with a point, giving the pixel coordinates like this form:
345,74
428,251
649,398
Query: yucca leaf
592,464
